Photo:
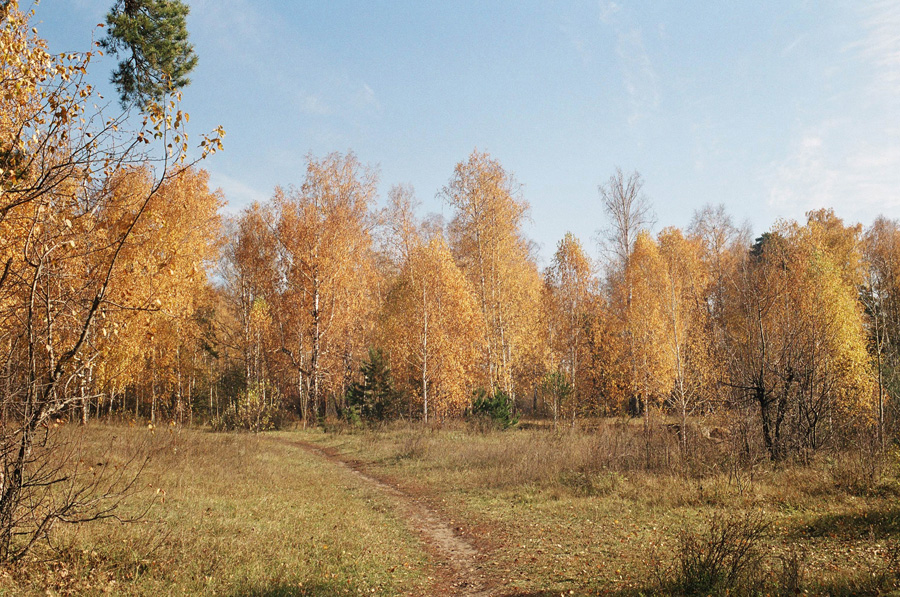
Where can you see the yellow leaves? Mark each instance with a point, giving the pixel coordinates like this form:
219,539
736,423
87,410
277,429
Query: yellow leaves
433,329
835,322
490,249
212,143
797,330
653,363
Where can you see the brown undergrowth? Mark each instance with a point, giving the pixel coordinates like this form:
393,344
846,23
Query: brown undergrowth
605,510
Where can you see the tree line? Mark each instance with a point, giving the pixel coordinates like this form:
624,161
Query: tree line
793,334
124,293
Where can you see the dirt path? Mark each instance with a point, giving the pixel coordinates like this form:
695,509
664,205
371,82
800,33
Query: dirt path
460,561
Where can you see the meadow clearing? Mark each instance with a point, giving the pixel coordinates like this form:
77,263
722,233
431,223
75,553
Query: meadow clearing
347,386
459,510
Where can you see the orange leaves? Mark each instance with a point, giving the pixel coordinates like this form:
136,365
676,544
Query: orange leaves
569,283
308,254
433,330
489,247
160,277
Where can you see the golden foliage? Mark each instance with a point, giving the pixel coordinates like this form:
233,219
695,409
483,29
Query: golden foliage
433,331
569,287
487,242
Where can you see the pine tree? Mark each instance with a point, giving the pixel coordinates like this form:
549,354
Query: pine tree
375,397
153,36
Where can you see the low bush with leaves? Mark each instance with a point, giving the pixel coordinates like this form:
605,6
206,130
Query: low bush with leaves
496,408
255,409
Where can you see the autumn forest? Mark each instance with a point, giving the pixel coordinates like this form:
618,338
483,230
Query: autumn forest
783,334
128,297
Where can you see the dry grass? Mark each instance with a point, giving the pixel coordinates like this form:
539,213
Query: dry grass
598,511
232,514
604,510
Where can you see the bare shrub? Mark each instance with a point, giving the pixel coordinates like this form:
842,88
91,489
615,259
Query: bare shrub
413,445
70,484
721,557
621,446
790,574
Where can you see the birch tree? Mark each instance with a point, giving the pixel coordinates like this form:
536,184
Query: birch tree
570,283
323,232
433,331
487,242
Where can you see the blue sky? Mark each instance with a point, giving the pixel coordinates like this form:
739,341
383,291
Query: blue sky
772,108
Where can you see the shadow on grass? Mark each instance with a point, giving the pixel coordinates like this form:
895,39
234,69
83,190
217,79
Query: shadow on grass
632,592
878,523
285,589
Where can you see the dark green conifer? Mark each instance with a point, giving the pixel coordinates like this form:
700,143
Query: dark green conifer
151,37
375,399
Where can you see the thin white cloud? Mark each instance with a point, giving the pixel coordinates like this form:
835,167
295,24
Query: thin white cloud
804,180
638,75
96,10
706,144
237,193
792,46
881,46
235,24
366,97
851,161
662,31
608,10
312,104
570,30
811,142
860,180
338,95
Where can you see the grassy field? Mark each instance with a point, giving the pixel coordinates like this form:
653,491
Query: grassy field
553,513
576,512
232,514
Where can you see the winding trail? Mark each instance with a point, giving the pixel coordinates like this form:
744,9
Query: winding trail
460,563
